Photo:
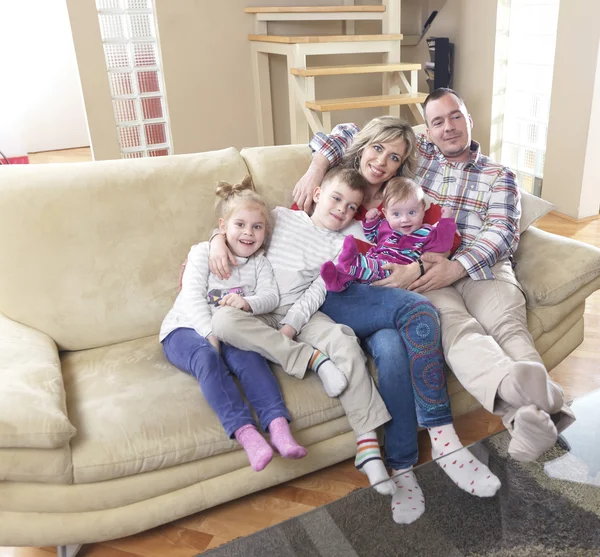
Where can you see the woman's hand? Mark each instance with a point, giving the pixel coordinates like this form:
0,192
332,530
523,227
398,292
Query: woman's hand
235,301
304,189
402,276
220,257
289,331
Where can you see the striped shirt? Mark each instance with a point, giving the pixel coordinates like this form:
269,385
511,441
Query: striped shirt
200,291
297,250
484,195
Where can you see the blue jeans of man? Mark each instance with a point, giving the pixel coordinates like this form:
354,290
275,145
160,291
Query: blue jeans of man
401,330
192,353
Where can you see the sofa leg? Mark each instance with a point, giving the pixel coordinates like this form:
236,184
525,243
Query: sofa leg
67,550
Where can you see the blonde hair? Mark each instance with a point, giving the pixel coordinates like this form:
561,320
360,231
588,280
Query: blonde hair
401,189
383,130
231,197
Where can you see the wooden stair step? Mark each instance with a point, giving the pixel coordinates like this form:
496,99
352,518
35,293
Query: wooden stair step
354,69
331,105
312,9
322,38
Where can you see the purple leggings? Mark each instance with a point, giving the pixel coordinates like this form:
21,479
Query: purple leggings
192,353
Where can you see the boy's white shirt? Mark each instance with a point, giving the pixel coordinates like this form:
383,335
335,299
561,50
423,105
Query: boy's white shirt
192,309
297,250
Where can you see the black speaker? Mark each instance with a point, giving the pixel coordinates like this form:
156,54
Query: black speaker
439,69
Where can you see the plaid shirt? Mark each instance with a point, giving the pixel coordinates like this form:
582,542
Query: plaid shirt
484,195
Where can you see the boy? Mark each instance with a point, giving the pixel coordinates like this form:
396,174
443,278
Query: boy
298,247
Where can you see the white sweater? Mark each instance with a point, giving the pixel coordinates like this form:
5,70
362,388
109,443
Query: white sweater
296,251
194,307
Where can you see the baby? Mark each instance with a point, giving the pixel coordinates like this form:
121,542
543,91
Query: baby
400,237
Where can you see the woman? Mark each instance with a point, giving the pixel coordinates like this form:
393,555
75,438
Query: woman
398,328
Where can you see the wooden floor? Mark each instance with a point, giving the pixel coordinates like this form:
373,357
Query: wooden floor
578,374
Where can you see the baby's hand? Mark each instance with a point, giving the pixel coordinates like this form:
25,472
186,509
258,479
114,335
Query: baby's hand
372,214
447,213
235,301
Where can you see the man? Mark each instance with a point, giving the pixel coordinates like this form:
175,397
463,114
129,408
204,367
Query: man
482,307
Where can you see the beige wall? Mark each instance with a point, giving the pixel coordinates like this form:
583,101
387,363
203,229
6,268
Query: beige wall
206,59
571,172
94,82
471,26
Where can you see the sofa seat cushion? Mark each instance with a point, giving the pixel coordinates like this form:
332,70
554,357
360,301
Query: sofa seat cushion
551,268
135,412
33,414
51,466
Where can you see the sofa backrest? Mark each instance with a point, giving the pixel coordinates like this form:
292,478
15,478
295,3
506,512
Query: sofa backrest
90,252
275,170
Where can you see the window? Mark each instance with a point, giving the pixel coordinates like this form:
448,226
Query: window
529,66
135,77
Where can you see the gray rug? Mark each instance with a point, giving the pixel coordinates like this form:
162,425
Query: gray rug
532,515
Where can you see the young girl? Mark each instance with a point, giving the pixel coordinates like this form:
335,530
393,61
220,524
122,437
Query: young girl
401,237
190,345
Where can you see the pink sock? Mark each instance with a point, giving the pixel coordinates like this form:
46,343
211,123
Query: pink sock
348,253
334,279
258,450
283,441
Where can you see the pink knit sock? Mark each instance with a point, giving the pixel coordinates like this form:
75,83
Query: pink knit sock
335,279
283,441
348,253
258,450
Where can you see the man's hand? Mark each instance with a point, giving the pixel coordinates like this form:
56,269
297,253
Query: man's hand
214,341
402,276
220,257
372,214
441,273
303,190
289,331
235,301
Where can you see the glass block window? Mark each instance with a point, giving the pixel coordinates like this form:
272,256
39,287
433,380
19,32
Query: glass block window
132,53
529,67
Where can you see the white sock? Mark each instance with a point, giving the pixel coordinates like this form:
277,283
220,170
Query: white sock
334,381
408,503
533,433
368,461
466,471
529,383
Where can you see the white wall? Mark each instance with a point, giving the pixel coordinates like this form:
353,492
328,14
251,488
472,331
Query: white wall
41,106
571,172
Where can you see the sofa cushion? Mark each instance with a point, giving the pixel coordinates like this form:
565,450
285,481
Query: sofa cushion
32,397
276,170
532,209
135,412
91,251
551,268
52,466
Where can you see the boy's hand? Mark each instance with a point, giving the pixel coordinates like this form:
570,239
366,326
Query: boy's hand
372,214
220,257
289,331
235,301
214,341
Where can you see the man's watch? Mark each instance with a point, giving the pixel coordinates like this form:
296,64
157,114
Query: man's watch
421,266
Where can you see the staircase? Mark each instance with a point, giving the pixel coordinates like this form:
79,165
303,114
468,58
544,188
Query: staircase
307,111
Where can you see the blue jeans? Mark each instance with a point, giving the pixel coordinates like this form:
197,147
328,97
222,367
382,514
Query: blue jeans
401,330
192,353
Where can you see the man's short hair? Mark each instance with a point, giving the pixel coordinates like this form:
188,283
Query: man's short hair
438,94
352,178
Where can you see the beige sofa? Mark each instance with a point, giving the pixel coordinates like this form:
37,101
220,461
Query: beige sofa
100,437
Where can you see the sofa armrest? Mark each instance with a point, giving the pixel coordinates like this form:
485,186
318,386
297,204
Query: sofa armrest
32,395
550,268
